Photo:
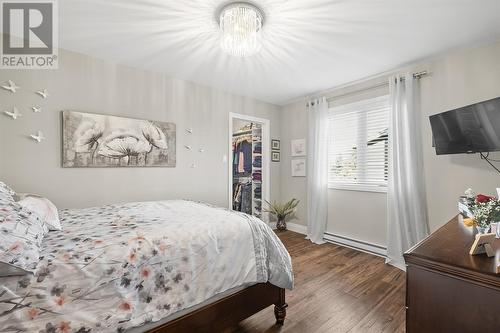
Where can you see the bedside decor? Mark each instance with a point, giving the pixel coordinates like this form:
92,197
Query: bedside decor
281,211
93,140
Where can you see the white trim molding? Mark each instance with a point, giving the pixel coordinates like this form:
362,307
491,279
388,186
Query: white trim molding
298,228
356,244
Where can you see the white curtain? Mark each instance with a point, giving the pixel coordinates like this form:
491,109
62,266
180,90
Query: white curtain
407,205
317,170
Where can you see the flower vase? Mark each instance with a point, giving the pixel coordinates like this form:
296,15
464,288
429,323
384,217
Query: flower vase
495,228
281,224
482,229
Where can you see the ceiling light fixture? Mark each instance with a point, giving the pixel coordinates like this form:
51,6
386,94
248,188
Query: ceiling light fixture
241,25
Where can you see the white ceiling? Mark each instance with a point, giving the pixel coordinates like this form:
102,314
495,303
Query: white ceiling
309,45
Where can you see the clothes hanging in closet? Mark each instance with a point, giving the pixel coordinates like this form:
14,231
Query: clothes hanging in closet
242,200
242,150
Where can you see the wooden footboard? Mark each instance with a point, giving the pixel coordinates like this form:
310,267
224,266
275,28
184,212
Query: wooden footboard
229,311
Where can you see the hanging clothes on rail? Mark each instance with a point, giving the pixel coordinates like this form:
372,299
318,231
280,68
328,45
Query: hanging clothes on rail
242,159
242,200
247,169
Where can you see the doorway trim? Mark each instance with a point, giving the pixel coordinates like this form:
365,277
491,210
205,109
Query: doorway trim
266,158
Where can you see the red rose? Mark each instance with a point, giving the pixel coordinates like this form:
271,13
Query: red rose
481,198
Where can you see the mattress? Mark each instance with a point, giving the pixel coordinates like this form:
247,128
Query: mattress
117,267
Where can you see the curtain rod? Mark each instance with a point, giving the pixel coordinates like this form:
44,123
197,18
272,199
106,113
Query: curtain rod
416,76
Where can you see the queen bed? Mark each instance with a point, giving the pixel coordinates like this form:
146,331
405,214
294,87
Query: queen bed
166,266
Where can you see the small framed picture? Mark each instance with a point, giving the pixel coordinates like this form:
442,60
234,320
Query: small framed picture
275,156
299,147
299,167
275,144
483,243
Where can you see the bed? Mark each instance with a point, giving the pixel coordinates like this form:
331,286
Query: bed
166,266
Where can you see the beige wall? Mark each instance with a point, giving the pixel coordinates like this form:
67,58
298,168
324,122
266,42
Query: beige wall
457,79
87,84
293,126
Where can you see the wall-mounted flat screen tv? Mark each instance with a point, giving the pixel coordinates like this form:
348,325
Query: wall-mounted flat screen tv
471,129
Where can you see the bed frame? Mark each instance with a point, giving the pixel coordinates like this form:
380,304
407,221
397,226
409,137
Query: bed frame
229,311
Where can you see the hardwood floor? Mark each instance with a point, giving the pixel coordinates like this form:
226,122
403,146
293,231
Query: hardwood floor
336,290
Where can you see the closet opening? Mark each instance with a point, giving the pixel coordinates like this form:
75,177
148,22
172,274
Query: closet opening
249,170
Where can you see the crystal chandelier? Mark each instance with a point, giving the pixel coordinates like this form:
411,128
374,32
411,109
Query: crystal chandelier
241,24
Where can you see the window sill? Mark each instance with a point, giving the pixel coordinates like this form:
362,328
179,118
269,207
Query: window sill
358,187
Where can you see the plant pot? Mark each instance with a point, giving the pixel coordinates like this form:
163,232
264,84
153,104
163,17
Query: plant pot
281,224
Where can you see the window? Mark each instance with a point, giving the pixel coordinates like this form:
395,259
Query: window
358,145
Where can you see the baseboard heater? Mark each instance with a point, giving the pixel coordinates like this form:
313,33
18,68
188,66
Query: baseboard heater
356,244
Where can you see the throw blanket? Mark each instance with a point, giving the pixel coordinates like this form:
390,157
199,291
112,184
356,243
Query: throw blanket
121,266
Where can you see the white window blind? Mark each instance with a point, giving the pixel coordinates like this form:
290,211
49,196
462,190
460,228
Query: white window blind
358,145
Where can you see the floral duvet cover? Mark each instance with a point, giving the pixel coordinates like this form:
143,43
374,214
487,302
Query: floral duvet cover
120,266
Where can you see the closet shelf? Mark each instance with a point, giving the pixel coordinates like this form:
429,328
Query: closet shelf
242,133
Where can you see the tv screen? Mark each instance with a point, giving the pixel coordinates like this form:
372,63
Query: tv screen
470,129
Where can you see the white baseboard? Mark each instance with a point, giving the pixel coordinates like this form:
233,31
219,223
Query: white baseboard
356,244
298,228
352,243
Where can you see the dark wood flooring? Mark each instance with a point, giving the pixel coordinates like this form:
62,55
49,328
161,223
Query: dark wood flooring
337,289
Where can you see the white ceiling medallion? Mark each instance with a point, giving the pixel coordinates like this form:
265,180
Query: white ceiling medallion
241,25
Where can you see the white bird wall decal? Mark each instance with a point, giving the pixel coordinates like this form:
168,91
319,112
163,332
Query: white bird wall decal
38,137
12,87
189,130
36,109
188,147
14,114
44,93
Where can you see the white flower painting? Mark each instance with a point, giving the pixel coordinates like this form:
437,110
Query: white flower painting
92,140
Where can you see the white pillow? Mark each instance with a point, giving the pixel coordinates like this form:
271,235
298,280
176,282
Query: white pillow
44,208
21,234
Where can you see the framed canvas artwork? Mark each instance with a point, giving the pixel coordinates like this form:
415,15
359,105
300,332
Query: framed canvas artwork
299,147
275,144
94,140
299,167
275,156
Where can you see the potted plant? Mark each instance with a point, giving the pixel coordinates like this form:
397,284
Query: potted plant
281,211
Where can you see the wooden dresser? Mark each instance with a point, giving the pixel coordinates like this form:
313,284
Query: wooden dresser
449,290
